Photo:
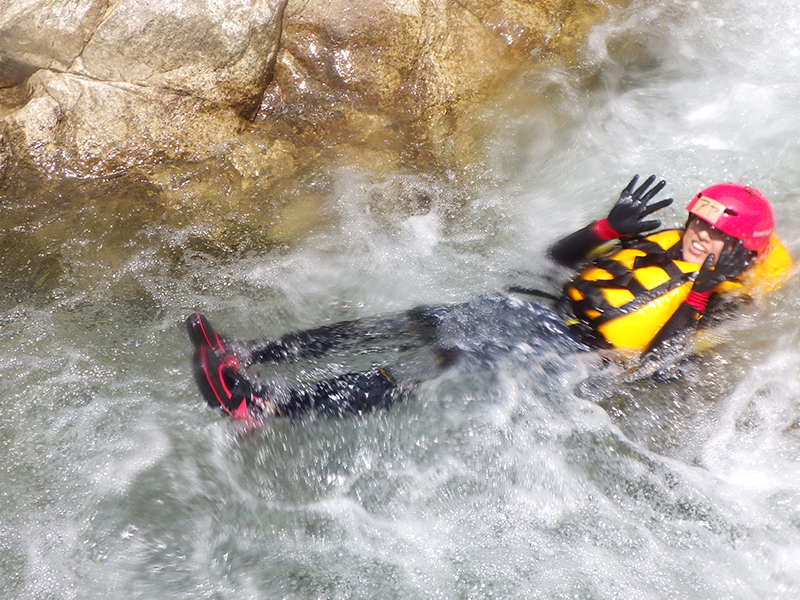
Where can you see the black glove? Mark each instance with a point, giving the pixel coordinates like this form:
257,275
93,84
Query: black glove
626,216
733,261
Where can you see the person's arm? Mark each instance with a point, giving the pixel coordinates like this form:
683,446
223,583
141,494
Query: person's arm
673,336
573,249
626,218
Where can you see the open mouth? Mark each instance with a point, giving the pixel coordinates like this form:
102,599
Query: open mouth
698,248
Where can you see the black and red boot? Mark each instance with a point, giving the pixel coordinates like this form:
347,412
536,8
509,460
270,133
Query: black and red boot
201,332
223,384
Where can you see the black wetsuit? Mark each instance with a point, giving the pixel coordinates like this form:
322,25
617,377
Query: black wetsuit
420,343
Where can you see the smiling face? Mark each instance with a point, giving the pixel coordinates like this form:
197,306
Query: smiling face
701,239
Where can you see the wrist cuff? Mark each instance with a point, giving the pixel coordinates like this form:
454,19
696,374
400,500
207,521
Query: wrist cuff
604,231
698,300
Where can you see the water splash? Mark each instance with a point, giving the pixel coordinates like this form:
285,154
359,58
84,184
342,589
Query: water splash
535,482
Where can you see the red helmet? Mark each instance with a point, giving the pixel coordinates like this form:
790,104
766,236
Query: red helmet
737,210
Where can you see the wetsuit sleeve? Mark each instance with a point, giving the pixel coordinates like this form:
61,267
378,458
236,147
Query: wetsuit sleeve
573,249
673,335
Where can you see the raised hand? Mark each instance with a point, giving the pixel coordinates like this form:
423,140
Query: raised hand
627,216
733,261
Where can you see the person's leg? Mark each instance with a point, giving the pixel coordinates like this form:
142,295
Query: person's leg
300,345
417,344
392,334
224,386
225,382
349,394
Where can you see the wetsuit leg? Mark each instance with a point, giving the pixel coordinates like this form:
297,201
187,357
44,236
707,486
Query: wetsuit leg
312,343
353,393
223,374
396,333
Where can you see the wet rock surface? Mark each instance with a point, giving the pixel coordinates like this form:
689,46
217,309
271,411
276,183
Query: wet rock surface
93,88
110,86
225,118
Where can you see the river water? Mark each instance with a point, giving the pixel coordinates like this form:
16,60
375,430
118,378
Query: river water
543,479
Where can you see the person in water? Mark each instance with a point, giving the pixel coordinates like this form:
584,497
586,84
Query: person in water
635,291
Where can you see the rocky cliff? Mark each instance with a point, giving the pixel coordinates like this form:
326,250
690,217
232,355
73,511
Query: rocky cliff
97,87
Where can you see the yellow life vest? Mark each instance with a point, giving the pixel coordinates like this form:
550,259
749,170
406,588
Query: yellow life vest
629,294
